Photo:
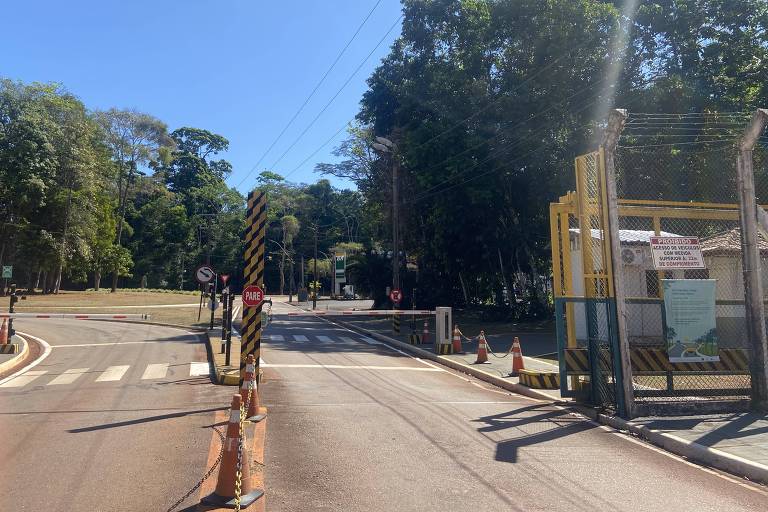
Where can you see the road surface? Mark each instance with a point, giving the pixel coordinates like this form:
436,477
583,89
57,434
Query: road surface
116,417
357,426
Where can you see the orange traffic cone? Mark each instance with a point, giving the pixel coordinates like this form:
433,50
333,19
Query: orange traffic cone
457,340
482,349
250,382
425,332
224,494
4,332
517,357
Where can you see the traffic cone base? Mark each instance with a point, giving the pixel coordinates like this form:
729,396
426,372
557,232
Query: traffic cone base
214,500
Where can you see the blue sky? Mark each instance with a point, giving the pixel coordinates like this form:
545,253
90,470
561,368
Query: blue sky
236,67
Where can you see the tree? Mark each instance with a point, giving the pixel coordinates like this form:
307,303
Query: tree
135,139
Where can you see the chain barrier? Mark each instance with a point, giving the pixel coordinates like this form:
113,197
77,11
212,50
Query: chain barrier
239,472
206,476
487,343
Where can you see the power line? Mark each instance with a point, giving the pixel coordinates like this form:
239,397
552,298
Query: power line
319,148
343,86
311,94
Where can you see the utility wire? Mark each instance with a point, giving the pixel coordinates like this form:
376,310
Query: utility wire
311,94
333,98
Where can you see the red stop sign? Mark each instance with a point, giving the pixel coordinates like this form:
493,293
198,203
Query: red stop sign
396,296
253,296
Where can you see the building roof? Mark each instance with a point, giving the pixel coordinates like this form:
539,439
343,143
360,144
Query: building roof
627,236
729,242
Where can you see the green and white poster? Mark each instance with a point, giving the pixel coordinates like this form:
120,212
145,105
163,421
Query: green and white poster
341,266
691,332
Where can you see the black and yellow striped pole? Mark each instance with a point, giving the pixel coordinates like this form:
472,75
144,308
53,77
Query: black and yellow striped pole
256,218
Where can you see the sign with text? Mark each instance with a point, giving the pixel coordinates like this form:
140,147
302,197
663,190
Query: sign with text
7,271
340,266
252,296
689,320
671,252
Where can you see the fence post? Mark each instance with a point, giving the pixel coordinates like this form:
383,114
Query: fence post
625,397
753,286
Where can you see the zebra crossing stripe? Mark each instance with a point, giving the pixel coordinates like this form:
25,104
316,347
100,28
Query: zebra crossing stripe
155,371
325,339
68,376
300,337
23,380
113,373
197,369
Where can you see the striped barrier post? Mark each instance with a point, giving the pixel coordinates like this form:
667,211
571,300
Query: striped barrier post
256,217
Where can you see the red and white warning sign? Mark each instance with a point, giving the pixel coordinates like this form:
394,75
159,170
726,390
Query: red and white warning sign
396,296
671,252
252,296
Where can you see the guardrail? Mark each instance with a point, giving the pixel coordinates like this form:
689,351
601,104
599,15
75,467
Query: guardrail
77,316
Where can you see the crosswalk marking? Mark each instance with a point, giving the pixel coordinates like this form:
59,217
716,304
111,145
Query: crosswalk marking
300,337
348,339
68,376
197,369
155,371
113,373
23,380
325,339
276,337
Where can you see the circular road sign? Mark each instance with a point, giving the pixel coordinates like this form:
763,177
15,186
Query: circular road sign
204,274
396,296
252,296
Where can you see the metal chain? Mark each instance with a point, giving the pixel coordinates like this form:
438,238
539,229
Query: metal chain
205,477
239,473
509,351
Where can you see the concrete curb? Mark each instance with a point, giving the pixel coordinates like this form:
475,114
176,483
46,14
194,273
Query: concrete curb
689,449
692,450
225,379
7,365
475,372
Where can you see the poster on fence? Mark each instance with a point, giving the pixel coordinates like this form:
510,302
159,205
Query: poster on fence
690,328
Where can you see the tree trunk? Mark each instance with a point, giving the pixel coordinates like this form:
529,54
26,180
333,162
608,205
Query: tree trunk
97,280
464,289
37,280
143,283
57,280
282,273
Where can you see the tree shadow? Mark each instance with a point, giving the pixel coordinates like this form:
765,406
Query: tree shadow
531,425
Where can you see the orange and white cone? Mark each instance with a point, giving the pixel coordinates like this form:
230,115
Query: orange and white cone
425,332
249,382
225,485
4,332
457,340
482,349
517,357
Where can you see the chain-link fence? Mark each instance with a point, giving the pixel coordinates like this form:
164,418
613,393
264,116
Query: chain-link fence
676,177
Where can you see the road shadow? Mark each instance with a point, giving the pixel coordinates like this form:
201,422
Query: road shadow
148,419
715,428
531,425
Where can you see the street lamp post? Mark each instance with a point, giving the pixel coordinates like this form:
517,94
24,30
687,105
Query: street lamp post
385,145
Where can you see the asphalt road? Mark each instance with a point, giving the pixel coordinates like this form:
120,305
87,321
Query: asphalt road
357,426
116,417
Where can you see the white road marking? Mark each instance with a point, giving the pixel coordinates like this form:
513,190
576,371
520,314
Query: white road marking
300,337
113,373
348,339
197,369
46,353
68,376
22,380
325,339
107,344
371,341
234,317
276,337
354,367
155,371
